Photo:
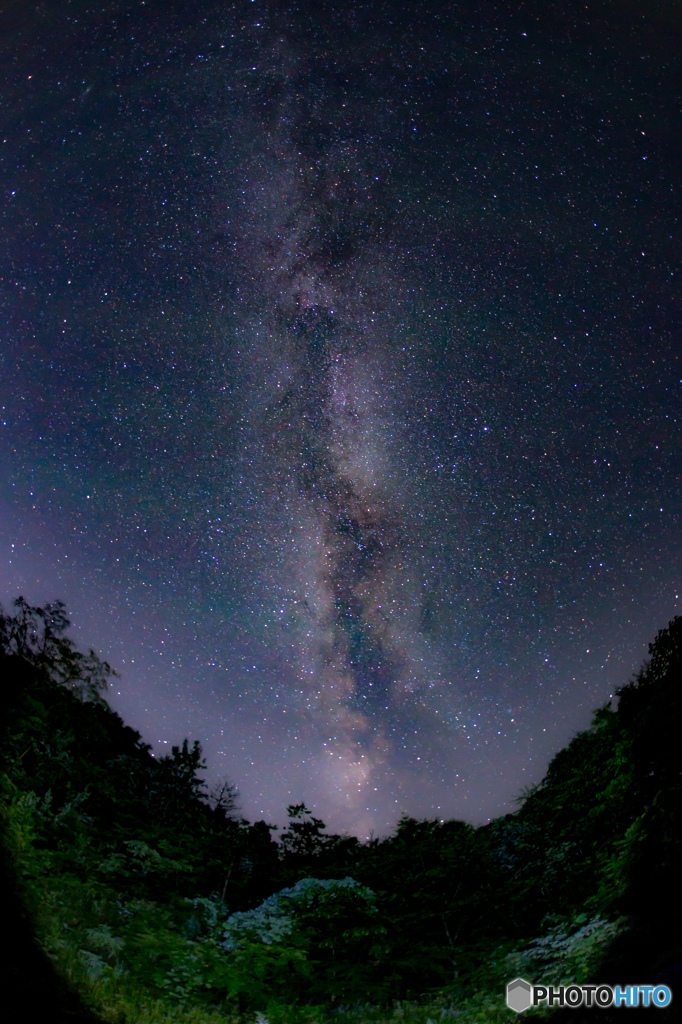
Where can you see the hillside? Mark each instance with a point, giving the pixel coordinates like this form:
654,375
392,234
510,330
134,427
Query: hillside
156,902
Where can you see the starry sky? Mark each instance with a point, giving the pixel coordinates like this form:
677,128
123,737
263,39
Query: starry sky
340,377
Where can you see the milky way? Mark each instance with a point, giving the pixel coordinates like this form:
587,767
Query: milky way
340,379
325,344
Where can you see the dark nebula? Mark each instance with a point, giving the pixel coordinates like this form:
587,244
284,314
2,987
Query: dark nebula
321,252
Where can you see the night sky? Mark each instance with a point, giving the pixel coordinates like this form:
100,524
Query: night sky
340,377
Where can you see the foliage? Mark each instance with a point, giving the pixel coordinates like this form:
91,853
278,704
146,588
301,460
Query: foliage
37,636
311,904
568,953
162,905
305,836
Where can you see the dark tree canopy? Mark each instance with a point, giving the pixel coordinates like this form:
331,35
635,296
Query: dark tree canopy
87,805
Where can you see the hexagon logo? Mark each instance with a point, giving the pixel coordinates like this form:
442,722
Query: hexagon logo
518,995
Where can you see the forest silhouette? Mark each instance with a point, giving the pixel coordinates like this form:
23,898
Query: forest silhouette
138,895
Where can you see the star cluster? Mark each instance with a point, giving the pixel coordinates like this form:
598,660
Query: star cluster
341,378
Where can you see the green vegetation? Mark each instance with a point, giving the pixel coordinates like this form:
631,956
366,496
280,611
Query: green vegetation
160,904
